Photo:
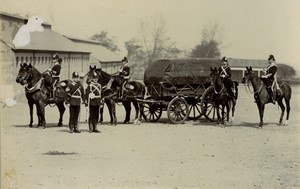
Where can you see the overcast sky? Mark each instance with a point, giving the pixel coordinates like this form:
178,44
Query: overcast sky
249,28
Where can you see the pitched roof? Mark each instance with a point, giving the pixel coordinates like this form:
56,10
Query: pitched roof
50,40
97,50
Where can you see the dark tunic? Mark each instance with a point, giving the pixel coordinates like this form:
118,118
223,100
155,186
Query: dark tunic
271,69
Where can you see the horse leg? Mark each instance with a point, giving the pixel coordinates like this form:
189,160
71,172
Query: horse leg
101,114
109,106
261,109
30,104
233,110
288,108
127,106
137,112
41,110
61,108
113,112
282,110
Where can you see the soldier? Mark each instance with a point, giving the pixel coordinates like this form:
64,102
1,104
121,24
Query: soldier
269,77
75,94
93,96
124,74
54,73
225,73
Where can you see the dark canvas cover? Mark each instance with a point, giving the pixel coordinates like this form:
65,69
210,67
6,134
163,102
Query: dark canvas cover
180,71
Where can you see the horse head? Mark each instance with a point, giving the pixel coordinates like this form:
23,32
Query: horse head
25,74
92,74
249,75
215,78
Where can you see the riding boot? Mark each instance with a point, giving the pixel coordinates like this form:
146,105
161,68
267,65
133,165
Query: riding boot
271,99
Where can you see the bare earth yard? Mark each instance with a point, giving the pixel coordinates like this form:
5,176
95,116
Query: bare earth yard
197,154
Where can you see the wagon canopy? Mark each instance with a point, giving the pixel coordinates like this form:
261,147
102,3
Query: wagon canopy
181,71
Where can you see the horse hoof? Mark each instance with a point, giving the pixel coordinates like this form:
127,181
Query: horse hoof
59,124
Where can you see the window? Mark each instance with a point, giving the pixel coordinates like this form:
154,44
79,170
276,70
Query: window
17,61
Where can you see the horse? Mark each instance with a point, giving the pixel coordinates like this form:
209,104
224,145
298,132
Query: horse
37,93
262,97
221,97
111,85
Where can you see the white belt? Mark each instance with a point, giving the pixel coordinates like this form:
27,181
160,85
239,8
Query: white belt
98,96
76,96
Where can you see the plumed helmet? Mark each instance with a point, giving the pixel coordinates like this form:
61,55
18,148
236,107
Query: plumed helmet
224,59
271,57
55,57
124,59
75,75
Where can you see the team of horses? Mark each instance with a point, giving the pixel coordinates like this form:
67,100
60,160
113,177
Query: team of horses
37,93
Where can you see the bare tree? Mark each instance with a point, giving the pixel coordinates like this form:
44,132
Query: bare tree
105,41
210,43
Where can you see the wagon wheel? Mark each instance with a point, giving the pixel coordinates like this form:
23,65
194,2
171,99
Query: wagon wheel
151,111
178,110
194,108
208,106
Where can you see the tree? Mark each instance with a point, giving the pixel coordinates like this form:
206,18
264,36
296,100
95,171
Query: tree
285,71
210,44
152,43
105,41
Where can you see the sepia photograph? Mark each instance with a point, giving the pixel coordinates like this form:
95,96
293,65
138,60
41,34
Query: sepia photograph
150,94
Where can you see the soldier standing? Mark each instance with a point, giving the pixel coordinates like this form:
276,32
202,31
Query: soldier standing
93,96
75,94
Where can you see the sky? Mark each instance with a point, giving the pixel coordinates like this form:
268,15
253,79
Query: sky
248,29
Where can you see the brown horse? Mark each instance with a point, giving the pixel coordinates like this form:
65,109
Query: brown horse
262,97
111,85
37,93
221,97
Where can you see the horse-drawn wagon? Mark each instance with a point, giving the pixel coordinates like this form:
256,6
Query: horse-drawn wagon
180,87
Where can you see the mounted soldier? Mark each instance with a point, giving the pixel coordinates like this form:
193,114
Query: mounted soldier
269,78
124,72
54,72
225,73
93,97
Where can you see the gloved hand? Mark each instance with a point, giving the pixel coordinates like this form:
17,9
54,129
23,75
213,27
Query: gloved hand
223,76
264,76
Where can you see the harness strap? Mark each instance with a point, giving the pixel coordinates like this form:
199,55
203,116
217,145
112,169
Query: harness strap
224,71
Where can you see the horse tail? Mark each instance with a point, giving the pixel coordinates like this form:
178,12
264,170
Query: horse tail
286,90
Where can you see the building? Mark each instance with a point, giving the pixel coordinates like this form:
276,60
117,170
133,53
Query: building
110,62
238,67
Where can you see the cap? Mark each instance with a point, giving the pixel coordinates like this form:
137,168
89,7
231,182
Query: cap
271,57
75,75
124,59
224,59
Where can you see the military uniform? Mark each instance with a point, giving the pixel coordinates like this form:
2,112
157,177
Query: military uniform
225,73
75,94
124,72
269,77
54,73
93,97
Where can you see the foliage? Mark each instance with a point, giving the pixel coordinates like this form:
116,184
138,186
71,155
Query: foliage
285,71
105,41
210,45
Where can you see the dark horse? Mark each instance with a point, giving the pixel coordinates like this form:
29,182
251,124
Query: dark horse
221,97
38,93
111,84
262,97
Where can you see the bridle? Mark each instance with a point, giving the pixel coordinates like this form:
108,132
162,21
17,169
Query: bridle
246,84
214,86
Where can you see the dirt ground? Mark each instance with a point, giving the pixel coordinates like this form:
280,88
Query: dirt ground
197,154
